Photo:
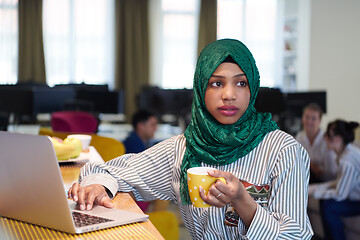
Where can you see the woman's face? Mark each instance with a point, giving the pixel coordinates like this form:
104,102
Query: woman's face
334,142
147,129
311,121
227,95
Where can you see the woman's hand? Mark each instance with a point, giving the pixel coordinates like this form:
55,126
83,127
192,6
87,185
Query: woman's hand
89,195
221,193
233,192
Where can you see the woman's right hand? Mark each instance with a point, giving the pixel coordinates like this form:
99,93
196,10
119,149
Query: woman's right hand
87,196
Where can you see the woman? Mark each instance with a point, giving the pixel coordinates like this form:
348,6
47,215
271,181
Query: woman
341,197
227,133
323,166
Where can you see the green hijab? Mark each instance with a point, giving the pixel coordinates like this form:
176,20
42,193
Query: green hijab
209,141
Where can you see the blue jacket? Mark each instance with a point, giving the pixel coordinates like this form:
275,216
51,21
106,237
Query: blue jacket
133,143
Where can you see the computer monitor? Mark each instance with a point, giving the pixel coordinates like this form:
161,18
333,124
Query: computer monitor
103,101
16,100
25,102
165,101
270,100
47,100
84,86
296,101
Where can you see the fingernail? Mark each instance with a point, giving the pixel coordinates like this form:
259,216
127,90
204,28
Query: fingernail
75,198
82,207
88,207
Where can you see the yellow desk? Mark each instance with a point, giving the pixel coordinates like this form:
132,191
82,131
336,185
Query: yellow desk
13,229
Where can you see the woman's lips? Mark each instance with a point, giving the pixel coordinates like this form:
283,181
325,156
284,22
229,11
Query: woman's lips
228,110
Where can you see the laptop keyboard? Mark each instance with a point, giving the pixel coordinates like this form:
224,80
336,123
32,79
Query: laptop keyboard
83,219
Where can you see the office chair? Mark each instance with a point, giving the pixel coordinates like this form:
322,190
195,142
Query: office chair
166,223
74,122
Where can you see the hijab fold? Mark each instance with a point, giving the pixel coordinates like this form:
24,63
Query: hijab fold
209,141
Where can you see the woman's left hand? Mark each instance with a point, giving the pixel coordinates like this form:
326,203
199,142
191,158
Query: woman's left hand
233,192
221,193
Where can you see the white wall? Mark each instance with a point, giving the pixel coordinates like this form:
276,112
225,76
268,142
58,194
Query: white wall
334,56
304,23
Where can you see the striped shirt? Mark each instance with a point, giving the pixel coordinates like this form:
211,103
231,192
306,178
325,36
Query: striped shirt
278,160
346,186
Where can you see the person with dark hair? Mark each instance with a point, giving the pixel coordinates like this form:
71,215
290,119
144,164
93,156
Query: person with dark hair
227,133
323,166
144,125
340,197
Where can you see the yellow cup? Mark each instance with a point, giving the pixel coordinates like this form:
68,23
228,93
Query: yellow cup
196,177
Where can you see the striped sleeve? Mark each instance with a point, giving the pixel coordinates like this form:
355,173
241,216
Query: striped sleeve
147,174
286,217
346,176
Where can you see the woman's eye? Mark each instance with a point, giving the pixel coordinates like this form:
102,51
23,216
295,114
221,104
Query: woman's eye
216,84
242,83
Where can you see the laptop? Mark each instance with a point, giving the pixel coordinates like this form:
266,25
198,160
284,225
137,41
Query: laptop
32,190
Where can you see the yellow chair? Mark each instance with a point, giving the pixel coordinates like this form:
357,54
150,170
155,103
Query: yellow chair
166,223
108,148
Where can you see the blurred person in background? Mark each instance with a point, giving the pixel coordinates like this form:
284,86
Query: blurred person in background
144,125
340,197
323,166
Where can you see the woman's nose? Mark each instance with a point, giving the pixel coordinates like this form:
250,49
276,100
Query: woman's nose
228,93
